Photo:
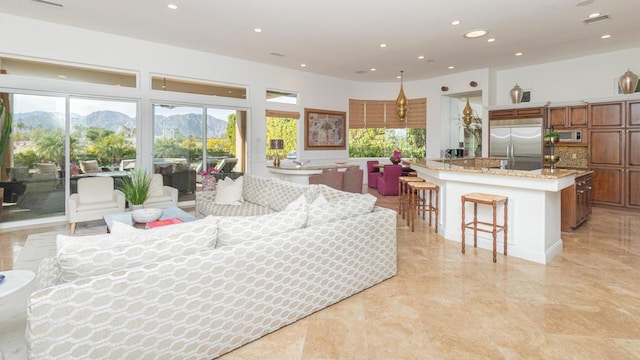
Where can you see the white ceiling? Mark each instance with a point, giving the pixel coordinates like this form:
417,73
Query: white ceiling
341,37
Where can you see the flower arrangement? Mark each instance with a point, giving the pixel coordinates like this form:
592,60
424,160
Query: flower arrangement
396,157
208,180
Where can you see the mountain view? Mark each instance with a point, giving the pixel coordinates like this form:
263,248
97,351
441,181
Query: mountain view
182,124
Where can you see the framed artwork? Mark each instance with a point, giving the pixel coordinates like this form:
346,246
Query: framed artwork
325,130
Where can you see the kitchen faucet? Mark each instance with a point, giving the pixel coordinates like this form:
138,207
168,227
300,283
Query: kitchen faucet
447,156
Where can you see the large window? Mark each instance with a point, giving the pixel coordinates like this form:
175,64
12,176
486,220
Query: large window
282,125
101,132
375,130
180,143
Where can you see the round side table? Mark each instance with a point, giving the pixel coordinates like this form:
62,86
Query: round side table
15,280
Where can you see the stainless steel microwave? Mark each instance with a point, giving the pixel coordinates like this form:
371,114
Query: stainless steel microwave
574,136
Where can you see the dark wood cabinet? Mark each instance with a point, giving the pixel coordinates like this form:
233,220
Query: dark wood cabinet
606,114
530,112
633,111
520,113
567,117
576,202
633,188
557,117
577,116
633,148
608,186
606,147
502,114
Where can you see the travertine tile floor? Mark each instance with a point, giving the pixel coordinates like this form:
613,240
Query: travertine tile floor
445,305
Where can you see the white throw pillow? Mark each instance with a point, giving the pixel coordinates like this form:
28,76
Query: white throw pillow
338,210
229,192
302,200
81,256
237,229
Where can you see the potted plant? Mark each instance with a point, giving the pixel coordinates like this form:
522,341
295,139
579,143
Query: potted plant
135,187
551,136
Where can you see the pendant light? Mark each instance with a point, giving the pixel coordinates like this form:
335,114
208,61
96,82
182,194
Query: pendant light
467,114
401,102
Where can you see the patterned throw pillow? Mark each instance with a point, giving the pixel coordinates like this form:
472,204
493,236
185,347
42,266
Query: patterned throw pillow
282,193
81,256
256,190
234,230
349,207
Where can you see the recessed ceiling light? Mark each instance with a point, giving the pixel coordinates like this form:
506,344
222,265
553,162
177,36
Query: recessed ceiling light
172,6
421,57
451,67
594,15
605,36
373,69
456,22
258,30
62,76
518,54
472,34
491,40
383,45
303,65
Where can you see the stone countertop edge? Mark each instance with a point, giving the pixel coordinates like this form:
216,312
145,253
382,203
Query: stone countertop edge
546,173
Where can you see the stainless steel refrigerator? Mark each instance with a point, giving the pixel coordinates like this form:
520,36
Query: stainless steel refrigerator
520,141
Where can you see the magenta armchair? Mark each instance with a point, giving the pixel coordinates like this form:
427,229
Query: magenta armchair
388,180
373,172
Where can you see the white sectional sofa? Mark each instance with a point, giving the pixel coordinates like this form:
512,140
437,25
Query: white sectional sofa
198,290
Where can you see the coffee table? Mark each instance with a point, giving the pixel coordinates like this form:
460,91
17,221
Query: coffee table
167,213
15,280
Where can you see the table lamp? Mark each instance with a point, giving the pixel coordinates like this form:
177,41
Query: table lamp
277,145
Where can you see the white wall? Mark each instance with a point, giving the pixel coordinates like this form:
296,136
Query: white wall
45,40
583,78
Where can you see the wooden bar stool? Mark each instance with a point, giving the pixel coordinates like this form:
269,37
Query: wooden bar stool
485,199
419,203
403,192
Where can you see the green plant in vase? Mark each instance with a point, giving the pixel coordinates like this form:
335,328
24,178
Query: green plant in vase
552,136
135,187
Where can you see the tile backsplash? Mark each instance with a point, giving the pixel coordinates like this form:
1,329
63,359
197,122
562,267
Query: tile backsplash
567,153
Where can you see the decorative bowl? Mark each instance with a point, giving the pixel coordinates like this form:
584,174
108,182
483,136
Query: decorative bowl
552,158
144,216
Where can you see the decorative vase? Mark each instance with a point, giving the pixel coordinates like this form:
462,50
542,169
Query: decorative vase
628,82
516,94
395,161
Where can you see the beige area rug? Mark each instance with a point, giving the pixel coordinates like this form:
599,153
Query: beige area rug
13,308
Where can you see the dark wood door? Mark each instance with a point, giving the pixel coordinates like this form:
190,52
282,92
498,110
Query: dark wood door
633,148
606,115
606,147
577,116
633,117
557,118
608,186
633,188
502,114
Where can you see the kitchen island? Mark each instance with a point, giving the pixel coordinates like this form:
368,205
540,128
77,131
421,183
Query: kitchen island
300,173
534,205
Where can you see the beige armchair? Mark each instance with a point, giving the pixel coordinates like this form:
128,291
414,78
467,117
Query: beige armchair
95,198
161,196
